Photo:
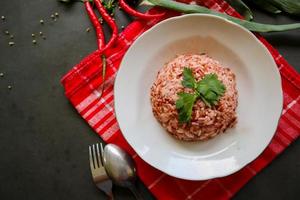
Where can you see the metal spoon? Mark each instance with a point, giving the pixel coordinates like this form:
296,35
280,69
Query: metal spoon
120,167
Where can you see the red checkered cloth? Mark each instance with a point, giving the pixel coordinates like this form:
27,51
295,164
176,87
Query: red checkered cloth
83,87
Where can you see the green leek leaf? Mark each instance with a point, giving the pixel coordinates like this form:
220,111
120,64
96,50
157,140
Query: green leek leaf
252,26
241,8
289,6
264,5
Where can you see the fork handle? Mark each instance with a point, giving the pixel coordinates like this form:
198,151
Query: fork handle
135,192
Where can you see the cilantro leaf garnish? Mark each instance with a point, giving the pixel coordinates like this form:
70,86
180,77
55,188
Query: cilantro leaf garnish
185,105
209,89
188,78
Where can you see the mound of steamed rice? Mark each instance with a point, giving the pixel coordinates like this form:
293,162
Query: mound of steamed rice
206,122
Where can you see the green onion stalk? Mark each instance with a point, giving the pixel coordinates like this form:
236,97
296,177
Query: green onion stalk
252,26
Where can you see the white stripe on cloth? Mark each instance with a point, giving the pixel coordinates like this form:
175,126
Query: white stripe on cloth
110,131
99,103
87,101
280,66
198,189
283,139
127,42
292,119
230,11
181,187
223,4
251,170
156,181
278,58
275,146
228,192
290,105
224,7
107,121
93,96
111,64
97,93
287,97
101,114
76,70
216,7
291,131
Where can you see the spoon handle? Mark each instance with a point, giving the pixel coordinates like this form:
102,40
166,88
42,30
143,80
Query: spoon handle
135,192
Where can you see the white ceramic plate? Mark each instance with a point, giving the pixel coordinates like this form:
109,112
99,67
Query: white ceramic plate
258,83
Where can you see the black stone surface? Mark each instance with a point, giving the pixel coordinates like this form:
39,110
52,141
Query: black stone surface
43,141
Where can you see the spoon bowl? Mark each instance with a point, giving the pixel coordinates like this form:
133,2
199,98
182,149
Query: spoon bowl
120,167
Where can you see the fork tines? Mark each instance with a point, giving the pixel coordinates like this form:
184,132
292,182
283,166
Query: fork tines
96,156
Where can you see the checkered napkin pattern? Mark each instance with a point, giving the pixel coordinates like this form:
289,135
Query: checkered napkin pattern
83,88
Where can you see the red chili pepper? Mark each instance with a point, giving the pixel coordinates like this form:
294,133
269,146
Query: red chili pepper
110,21
135,13
96,24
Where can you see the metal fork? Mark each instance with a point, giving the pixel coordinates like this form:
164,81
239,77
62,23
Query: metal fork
99,175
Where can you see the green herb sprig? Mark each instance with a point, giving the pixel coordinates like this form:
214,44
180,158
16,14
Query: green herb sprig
110,6
209,89
241,8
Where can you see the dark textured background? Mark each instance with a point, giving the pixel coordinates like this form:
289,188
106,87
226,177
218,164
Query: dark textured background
43,141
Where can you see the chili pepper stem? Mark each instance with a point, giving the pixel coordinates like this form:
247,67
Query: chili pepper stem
103,72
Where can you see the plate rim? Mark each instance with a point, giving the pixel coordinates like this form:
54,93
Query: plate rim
274,68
